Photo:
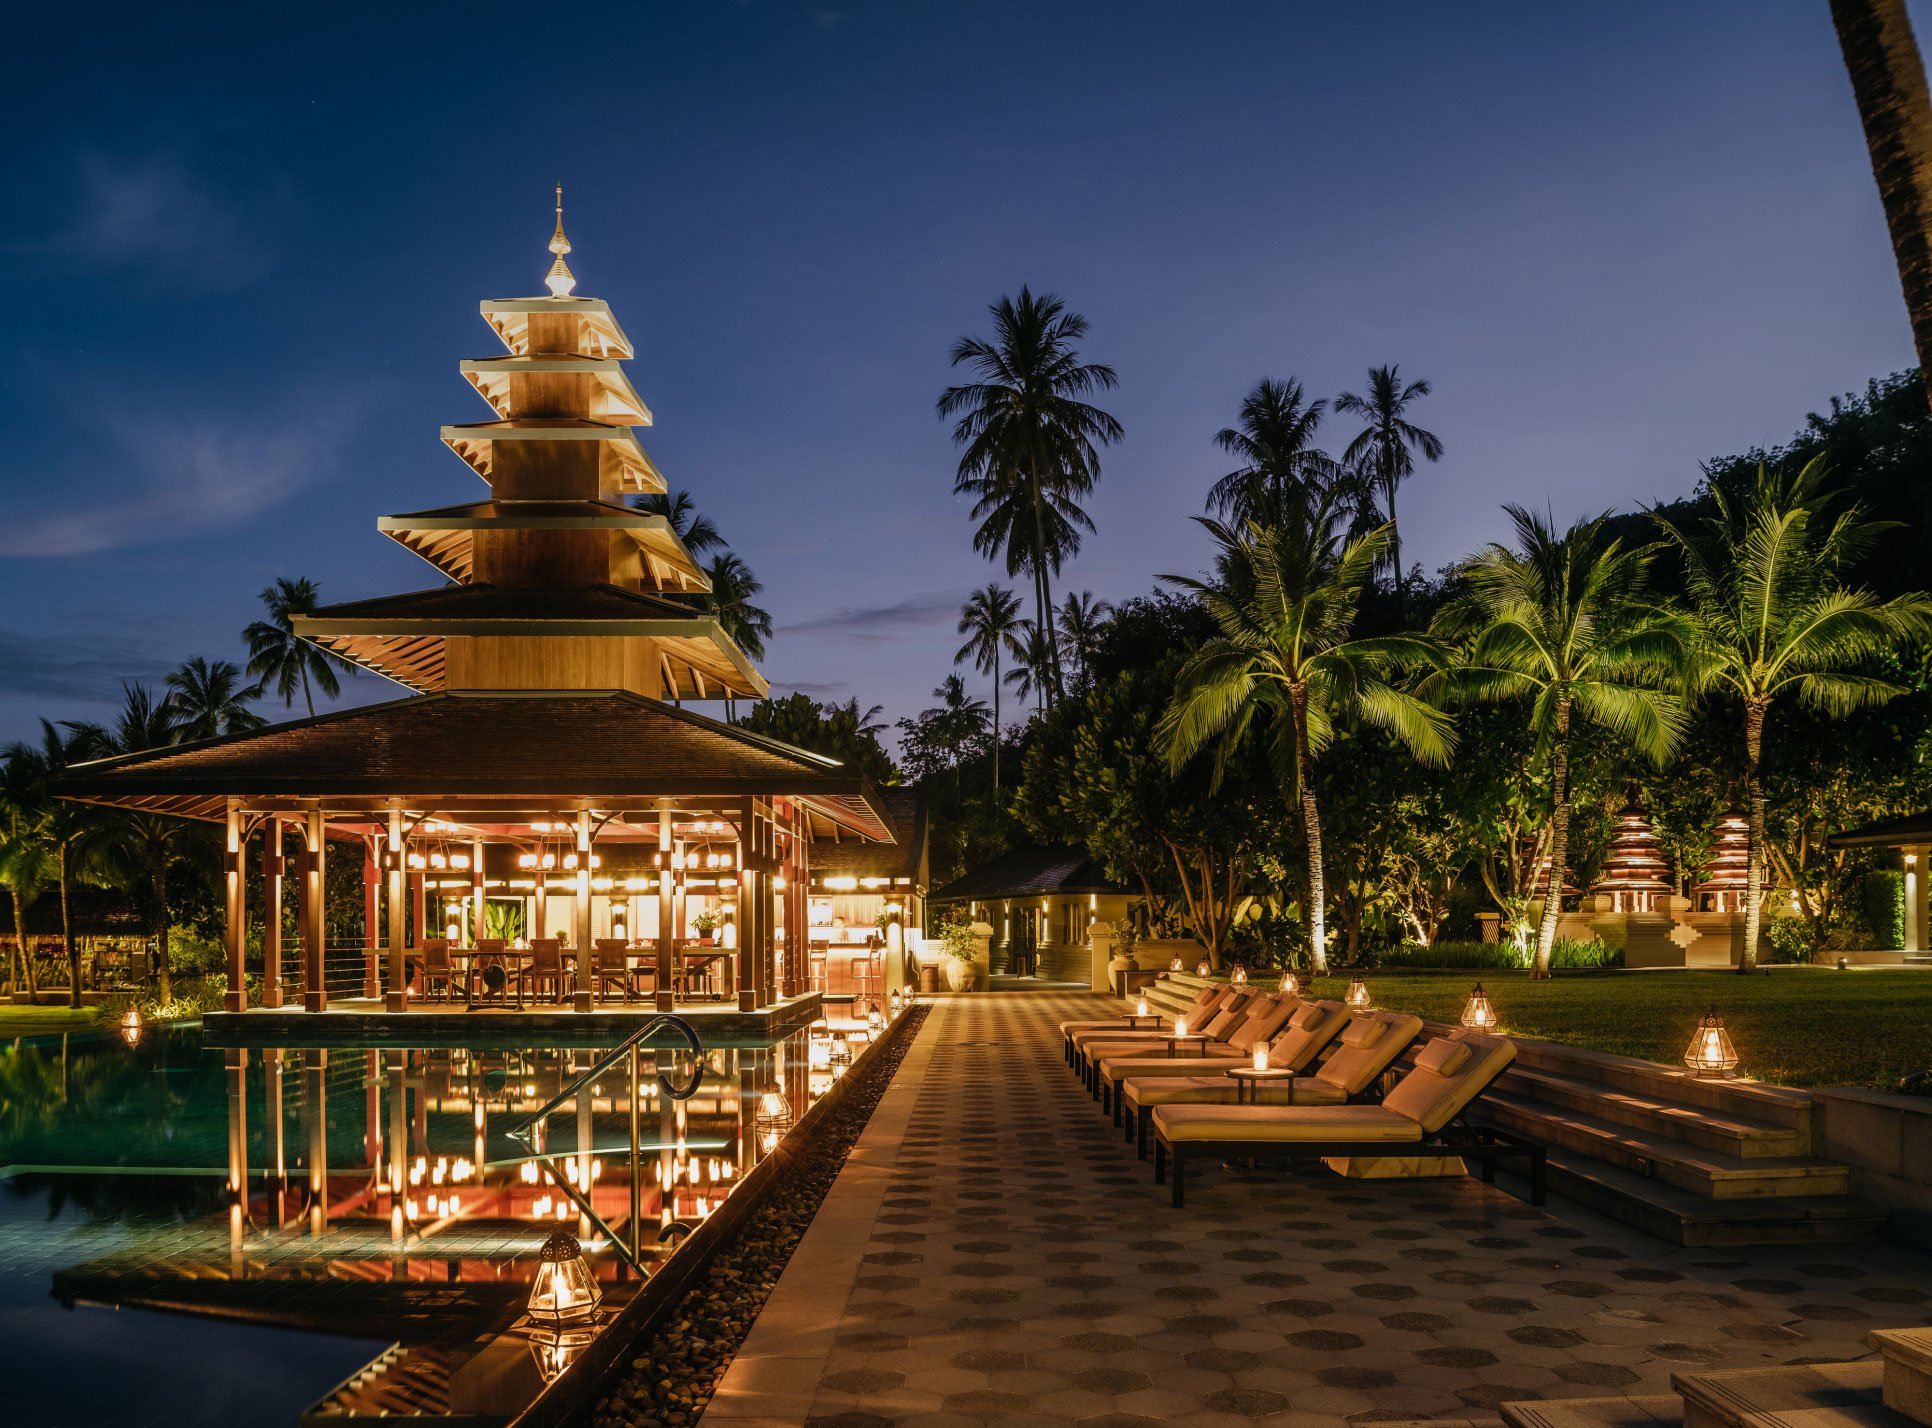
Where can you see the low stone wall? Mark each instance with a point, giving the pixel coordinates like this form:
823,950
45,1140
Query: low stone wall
1886,1139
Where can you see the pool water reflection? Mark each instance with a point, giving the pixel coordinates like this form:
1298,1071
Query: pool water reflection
353,1230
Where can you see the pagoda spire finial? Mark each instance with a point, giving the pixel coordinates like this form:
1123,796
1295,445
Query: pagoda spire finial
560,280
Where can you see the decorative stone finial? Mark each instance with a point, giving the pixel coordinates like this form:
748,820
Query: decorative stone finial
560,280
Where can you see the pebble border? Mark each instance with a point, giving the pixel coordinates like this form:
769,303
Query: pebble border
672,1374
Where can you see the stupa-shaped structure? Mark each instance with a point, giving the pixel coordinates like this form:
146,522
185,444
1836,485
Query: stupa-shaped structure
1636,876
1725,876
557,583
543,774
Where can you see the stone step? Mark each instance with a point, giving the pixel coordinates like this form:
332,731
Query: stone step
1837,1395
1746,1100
1663,1410
1907,1355
1682,1217
1695,1125
1689,1167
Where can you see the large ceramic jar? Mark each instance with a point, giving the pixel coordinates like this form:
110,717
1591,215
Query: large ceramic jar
959,974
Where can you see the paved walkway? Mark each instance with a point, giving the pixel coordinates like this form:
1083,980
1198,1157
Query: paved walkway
992,1253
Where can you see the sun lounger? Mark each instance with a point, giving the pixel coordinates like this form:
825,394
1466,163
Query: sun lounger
1421,1118
1365,1047
1234,1030
1225,1016
1199,1015
1196,1010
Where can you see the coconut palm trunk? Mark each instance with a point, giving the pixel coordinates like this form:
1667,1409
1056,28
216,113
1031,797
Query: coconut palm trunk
996,721
1311,827
1395,548
163,974
26,963
1888,81
1754,812
1042,583
1559,842
67,937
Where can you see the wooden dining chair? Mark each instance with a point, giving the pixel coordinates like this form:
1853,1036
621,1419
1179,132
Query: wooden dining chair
489,952
613,968
438,966
545,966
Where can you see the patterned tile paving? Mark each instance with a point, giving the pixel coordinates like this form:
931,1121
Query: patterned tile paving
996,1255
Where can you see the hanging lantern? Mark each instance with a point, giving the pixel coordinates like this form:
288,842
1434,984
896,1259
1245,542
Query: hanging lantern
1711,1052
131,1026
564,1291
1290,984
1239,976
1477,1013
1358,998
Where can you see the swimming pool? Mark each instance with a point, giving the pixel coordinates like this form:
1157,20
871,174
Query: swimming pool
192,1233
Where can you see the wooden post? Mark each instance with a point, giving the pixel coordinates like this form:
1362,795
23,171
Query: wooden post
750,965
476,894
397,997
235,998
371,917
586,970
419,903
666,926
274,865
315,996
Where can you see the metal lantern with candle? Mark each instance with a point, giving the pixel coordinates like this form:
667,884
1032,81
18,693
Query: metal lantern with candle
1290,984
1140,1007
1477,1013
1261,1056
131,1026
1711,1052
1202,967
1180,1026
1358,998
564,1291
1239,976
1174,965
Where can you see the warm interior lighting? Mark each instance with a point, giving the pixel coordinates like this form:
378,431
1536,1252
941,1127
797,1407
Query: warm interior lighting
1711,1052
1477,1013
1358,998
564,1291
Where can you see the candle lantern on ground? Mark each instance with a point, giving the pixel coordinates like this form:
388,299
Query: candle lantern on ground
1290,984
1202,967
131,1026
1174,964
1358,998
1239,976
1711,1052
1477,1013
564,1291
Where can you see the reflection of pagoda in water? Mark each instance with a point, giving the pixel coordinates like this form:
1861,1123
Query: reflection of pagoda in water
1636,877
1727,872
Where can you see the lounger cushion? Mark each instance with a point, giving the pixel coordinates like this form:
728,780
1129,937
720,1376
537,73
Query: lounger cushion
1115,1068
1142,1090
1264,1024
1443,1056
1278,1125
1433,1099
1354,1068
1307,1016
1364,1031
1298,1047
1227,1018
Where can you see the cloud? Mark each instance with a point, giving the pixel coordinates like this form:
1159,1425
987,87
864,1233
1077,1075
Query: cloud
154,214
880,624
86,668
179,475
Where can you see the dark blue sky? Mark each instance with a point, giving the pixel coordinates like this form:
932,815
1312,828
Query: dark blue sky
242,256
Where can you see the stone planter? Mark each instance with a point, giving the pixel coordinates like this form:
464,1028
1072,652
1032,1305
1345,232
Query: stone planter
959,974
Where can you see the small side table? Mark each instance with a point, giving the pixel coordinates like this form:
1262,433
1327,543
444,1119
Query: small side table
1248,1082
1143,1023
1175,1043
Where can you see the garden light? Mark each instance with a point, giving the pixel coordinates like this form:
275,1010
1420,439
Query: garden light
1175,965
1711,1052
1477,1013
1239,976
1358,998
1202,968
131,1026
564,1291
1290,985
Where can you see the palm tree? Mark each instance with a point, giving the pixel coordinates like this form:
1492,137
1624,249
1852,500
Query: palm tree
277,654
1031,444
1081,617
957,724
1564,619
1032,673
1275,441
1772,617
26,859
209,699
1284,600
698,532
1385,451
63,826
1888,81
990,619
730,603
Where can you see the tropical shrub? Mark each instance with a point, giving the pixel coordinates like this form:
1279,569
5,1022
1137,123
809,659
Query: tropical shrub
1567,953
1790,938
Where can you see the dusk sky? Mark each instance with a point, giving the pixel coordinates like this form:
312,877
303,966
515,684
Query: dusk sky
243,255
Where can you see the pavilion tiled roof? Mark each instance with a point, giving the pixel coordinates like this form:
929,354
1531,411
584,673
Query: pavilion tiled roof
1887,833
1030,872
480,750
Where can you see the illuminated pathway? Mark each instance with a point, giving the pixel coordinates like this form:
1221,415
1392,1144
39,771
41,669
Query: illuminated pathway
993,1253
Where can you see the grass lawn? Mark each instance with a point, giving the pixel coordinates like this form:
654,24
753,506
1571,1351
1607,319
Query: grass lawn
43,1021
1803,1026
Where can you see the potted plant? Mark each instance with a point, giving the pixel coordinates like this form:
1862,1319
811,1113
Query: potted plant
960,946
705,923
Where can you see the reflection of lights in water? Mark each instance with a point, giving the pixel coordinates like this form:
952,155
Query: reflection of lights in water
528,1172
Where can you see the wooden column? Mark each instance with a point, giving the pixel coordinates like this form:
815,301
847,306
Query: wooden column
476,895
371,917
419,903
750,965
315,910
666,927
586,969
397,997
274,865
235,858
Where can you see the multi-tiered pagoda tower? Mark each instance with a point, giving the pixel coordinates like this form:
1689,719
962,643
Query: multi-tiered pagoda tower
557,583
1636,875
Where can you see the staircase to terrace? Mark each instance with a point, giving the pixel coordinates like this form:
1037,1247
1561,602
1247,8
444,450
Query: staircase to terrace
1692,1161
